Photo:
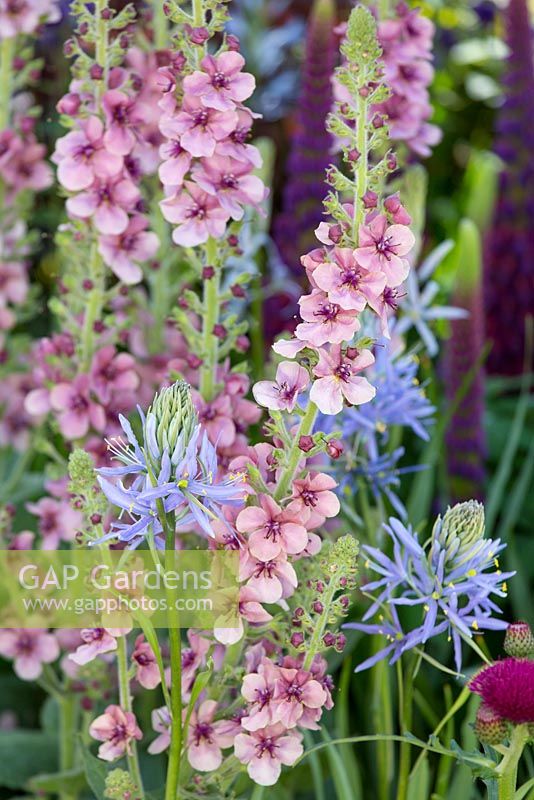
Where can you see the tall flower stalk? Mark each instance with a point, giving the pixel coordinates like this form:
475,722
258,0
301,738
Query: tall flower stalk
310,144
508,295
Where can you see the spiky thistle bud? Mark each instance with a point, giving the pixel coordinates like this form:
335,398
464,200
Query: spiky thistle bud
519,640
120,786
461,527
171,417
490,728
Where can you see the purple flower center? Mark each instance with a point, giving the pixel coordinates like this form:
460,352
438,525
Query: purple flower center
48,522
78,403
203,730
309,498
219,80
229,181
121,114
201,118
93,635
343,372
328,311
240,135
390,297
263,696
197,211
272,529
84,152
143,659
188,658
24,645
293,691
286,391
265,569
385,247
351,277
175,148
268,746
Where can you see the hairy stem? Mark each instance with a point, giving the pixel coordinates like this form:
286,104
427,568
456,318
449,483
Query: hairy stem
175,645
507,769
7,52
210,319
68,717
406,687
125,700
94,306
295,453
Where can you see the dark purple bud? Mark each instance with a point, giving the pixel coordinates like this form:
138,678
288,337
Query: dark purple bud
297,639
220,331
370,199
318,607
329,640
69,104
96,72
233,43
208,273
237,290
334,448
306,443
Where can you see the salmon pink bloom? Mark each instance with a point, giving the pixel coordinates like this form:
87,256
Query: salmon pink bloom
123,118
197,214
116,728
221,84
338,379
77,412
123,252
112,372
282,394
231,182
205,738
273,530
264,751
95,642
347,283
58,521
217,419
296,692
325,321
108,201
235,145
24,16
258,689
81,156
27,168
199,128
29,650
272,579
161,722
382,247
146,666
175,164
313,494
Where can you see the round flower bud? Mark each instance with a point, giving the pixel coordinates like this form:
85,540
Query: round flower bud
490,728
461,528
519,640
171,417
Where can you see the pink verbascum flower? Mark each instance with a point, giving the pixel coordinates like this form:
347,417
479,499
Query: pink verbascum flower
297,692
123,119
258,689
314,494
175,164
116,728
161,722
206,738
197,214
198,128
325,321
272,579
29,650
112,372
81,156
58,521
339,380
264,751
221,84
231,182
346,282
76,410
217,418
24,16
108,202
95,642
123,252
146,666
273,530
282,394
235,145
382,247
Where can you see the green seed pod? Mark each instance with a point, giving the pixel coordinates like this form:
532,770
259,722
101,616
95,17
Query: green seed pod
519,640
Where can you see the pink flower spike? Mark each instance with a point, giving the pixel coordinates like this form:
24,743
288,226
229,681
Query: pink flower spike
266,750
273,531
325,321
347,283
197,214
383,246
123,252
282,395
314,494
221,84
116,728
29,650
296,691
338,379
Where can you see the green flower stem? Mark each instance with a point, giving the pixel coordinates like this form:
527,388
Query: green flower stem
161,28
175,644
210,319
295,454
68,719
361,168
507,769
316,642
94,306
125,700
382,721
406,687
7,53
101,50
198,13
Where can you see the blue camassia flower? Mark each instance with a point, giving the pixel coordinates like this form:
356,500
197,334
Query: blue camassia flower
452,578
176,472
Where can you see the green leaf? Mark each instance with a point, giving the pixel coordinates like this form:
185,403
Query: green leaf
72,780
23,754
95,772
344,788
419,783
